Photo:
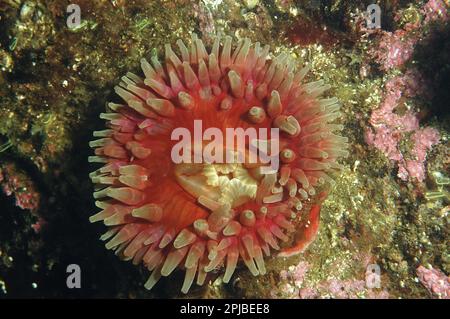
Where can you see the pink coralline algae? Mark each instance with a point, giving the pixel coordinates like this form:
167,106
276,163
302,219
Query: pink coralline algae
293,278
391,124
389,129
435,10
423,140
295,273
293,286
394,49
16,183
435,281
342,289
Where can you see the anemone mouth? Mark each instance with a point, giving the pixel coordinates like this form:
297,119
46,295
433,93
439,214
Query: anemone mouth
200,216
221,183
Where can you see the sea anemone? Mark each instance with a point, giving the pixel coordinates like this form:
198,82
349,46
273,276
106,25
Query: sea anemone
202,215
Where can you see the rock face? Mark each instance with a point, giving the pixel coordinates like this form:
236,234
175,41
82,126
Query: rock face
389,206
436,282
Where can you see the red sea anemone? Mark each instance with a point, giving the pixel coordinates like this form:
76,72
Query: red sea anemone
200,216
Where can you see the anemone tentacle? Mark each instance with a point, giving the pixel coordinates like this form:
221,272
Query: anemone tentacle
202,216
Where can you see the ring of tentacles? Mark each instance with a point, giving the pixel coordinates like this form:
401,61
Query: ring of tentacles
203,217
